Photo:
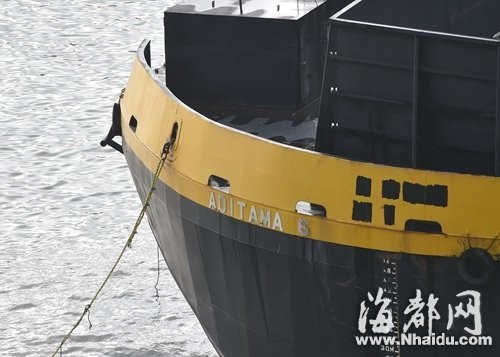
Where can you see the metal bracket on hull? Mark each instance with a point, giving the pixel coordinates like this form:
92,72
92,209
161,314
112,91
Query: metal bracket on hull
115,130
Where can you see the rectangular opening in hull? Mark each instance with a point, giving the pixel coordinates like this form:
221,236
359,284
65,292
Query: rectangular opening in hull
219,183
310,209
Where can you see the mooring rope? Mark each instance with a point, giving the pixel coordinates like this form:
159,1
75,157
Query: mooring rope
164,154
157,296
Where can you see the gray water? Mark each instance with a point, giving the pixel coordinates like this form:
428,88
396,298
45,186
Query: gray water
66,204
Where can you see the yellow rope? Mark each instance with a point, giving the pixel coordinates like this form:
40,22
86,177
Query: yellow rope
164,154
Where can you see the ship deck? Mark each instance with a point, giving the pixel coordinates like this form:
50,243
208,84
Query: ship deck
294,128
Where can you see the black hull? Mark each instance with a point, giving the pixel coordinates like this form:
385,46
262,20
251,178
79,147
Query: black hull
261,293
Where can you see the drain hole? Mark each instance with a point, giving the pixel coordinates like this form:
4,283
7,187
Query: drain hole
310,209
175,129
132,123
416,225
219,183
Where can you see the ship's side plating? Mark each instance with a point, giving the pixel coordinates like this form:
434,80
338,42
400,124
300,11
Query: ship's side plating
266,280
409,87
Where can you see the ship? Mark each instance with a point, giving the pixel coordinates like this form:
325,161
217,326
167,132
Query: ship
332,173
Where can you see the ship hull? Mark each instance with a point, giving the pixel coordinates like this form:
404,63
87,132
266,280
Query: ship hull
267,279
261,293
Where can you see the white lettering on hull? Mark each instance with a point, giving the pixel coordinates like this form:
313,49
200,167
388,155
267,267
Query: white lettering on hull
225,205
252,218
211,203
242,205
265,218
221,203
277,222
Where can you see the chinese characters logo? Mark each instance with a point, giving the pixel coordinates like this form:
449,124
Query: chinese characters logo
420,311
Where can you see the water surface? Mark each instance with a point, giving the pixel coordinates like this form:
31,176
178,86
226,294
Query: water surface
67,205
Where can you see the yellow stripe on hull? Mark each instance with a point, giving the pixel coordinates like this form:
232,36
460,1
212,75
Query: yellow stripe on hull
268,179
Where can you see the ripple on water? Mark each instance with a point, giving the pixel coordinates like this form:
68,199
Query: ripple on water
78,298
68,203
22,307
30,286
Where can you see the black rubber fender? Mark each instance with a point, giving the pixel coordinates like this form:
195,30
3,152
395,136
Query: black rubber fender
476,266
